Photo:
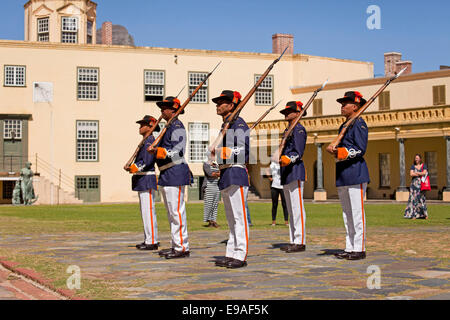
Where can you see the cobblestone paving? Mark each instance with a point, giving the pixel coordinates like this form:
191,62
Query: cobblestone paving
270,274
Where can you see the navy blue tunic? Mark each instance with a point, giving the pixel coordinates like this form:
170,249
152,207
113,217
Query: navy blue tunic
237,138
295,146
174,141
353,170
145,162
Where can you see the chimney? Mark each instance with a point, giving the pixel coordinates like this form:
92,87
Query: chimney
280,41
390,60
401,64
107,33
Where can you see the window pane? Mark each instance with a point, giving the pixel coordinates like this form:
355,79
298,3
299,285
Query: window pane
88,83
11,126
199,141
43,25
195,78
87,140
154,77
431,162
264,93
70,24
15,76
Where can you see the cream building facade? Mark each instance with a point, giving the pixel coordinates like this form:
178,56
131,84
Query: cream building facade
70,108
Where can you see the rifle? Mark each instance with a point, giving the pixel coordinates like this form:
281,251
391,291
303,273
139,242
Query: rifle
133,157
291,128
264,115
180,109
350,121
238,109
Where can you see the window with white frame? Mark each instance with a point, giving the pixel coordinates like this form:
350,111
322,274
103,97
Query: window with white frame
154,85
43,30
15,76
89,27
12,129
87,140
264,93
198,141
88,83
195,78
69,27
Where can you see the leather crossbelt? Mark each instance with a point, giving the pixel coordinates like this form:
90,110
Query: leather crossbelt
226,166
169,165
144,173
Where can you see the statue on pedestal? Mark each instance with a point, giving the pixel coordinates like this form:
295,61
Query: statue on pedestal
26,176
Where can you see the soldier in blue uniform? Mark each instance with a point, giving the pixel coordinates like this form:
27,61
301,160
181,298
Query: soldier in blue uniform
352,176
293,178
174,177
232,156
144,182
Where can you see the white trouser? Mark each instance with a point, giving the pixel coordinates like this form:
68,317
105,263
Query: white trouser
352,202
147,204
234,198
176,214
293,193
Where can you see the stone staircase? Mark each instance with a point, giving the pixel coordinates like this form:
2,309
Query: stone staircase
49,193
253,194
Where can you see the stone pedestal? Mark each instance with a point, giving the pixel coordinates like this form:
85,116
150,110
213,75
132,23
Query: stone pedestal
402,194
446,196
320,195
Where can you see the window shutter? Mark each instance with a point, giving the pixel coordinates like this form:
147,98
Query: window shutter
442,94
435,95
317,107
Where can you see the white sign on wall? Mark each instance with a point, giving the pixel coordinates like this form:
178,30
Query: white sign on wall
42,92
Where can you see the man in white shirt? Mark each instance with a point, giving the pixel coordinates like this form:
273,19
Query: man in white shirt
276,189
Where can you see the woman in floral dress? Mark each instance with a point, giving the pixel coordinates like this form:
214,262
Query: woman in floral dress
417,207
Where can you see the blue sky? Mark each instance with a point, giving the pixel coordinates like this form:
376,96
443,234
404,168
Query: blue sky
420,30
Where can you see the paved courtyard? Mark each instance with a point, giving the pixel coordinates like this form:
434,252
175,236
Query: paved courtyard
271,273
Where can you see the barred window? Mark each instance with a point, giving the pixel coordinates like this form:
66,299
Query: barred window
431,162
12,129
154,85
69,32
195,78
43,29
15,76
264,93
87,140
88,83
198,141
385,169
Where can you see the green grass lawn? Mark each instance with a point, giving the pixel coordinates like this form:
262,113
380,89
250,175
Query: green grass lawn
126,217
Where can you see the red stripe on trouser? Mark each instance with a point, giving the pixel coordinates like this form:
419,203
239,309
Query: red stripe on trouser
362,213
245,223
181,222
151,217
301,210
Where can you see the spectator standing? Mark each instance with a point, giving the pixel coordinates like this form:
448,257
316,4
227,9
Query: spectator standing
417,207
276,190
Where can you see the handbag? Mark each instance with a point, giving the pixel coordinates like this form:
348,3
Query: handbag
425,183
